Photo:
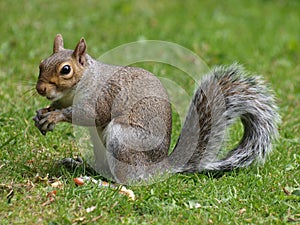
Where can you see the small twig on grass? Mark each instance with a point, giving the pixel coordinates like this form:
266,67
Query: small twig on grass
10,191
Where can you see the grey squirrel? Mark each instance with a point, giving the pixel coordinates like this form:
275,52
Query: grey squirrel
132,114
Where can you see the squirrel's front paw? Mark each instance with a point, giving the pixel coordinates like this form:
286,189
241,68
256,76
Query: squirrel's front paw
45,121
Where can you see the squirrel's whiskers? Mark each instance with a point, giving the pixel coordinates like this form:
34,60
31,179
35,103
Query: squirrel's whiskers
28,94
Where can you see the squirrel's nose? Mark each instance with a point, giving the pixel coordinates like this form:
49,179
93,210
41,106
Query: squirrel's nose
41,88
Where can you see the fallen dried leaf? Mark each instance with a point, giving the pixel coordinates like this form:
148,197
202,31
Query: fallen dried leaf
79,181
38,178
30,161
90,209
286,191
194,205
57,184
100,183
48,202
127,192
290,219
29,185
51,193
105,184
95,218
51,198
242,211
79,219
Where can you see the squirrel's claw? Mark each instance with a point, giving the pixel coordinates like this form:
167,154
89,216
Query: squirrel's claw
36,120
45,121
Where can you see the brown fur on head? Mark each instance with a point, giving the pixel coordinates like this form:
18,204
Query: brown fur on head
60,72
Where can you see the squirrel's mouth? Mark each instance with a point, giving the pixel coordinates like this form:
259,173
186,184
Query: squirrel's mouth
54,96
64,98
50,98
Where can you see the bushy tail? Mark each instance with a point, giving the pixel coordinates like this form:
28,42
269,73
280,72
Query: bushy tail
226,94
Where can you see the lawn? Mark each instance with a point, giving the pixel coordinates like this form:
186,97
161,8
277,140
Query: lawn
264,36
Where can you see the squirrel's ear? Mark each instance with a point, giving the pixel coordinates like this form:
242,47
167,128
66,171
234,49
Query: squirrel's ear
80,51
58,43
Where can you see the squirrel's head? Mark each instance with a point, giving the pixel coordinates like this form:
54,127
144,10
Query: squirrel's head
61,71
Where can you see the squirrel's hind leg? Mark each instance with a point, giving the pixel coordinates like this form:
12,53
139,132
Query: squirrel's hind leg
133,151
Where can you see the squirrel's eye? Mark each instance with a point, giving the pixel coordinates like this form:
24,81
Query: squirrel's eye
65,70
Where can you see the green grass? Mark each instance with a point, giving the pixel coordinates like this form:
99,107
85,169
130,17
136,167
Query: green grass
262,35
